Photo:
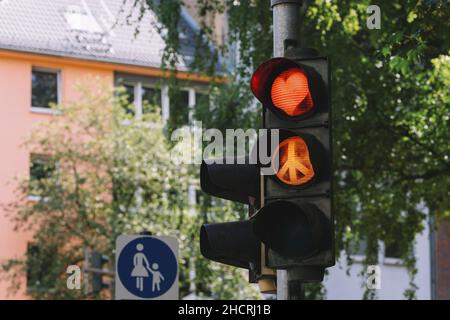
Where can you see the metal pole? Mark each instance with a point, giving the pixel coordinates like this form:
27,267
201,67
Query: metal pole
296,290
282,285
286,33
286,25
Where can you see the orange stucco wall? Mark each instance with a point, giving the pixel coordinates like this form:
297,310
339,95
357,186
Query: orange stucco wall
16,120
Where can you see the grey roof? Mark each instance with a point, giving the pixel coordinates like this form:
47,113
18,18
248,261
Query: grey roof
90,29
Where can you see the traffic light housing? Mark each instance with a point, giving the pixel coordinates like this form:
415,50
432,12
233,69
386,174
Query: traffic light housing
230,180
95,267
296,223
294,226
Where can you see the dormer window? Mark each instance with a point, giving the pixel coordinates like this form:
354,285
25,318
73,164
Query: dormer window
80,20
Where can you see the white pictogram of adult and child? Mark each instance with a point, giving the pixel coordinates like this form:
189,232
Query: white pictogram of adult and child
142,268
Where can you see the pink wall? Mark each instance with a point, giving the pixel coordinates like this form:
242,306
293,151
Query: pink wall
16,120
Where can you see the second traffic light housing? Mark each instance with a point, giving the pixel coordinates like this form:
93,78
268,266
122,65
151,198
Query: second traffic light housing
232,243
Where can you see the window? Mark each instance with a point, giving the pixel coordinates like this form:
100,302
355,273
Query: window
78,19
359,248
201,100
145,102
392,254
130,108
392,250
202,106
44,88
151,98
41,272
179,108
41,168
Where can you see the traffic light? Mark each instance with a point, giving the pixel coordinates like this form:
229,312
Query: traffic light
232,243
293,227
94,266
296,221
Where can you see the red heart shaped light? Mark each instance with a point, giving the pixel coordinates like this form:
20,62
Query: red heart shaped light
290,92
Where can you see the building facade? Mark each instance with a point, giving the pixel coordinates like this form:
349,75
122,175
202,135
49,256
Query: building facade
345,281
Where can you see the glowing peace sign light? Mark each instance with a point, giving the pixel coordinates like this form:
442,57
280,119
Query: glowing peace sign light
295,165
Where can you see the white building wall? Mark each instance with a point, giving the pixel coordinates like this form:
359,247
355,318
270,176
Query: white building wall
394,277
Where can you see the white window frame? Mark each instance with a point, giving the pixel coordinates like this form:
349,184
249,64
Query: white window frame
138,107
192,101
191,104
192,198
44,110
138,100
358,258
165,103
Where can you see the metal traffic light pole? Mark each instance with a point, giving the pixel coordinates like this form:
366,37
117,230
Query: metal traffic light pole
286,25
286,33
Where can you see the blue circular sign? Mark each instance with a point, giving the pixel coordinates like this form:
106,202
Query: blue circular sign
147,267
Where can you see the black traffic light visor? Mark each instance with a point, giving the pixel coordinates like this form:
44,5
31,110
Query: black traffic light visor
235,182
231,243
